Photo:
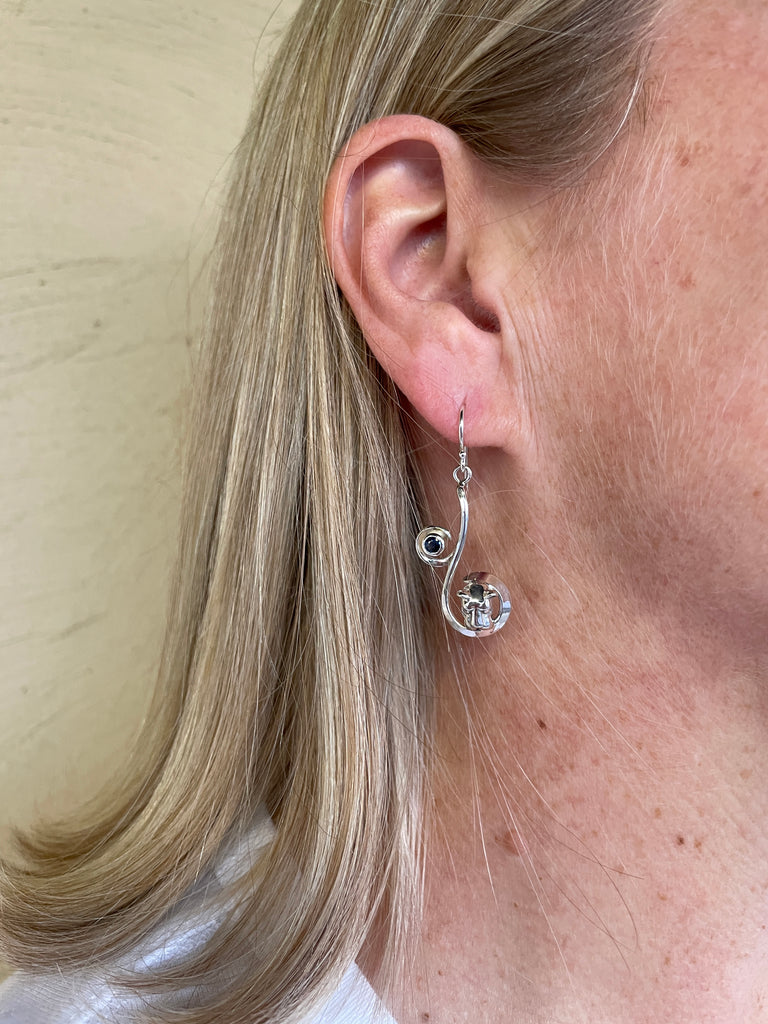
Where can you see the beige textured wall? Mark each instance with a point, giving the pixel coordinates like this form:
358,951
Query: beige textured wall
116,121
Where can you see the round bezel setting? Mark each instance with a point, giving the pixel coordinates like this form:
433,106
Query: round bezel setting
431,545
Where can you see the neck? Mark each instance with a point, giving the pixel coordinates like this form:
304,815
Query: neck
599,849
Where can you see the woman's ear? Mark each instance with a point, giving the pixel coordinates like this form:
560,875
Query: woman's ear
407,227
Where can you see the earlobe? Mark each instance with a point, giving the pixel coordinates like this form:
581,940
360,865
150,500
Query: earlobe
404,222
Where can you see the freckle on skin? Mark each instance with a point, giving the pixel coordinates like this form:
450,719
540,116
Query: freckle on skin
506,840
541,723
681,841
746,774
657,812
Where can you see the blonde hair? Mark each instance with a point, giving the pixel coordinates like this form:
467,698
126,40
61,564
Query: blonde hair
296,670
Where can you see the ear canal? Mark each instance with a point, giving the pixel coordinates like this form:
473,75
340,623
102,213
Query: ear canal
482,318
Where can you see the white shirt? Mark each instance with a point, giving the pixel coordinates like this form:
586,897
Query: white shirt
87,997
66,999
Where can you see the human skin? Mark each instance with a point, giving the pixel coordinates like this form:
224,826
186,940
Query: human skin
599,847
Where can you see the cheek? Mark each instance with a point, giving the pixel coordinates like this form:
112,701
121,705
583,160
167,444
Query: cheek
707,186
699,267
656,405
663,372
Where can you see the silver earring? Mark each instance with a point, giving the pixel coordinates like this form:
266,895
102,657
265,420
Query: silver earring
485,603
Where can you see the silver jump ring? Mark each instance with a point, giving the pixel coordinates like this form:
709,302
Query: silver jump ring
462,475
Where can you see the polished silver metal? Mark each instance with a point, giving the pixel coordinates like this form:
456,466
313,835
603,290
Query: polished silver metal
485,603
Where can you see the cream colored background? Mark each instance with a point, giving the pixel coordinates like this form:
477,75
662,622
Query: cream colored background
116,121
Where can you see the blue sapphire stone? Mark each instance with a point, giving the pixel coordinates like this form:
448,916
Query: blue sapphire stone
433,545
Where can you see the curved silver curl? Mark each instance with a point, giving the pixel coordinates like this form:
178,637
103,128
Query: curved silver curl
485,600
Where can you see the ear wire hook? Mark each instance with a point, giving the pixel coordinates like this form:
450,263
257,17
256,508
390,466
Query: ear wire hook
485,602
